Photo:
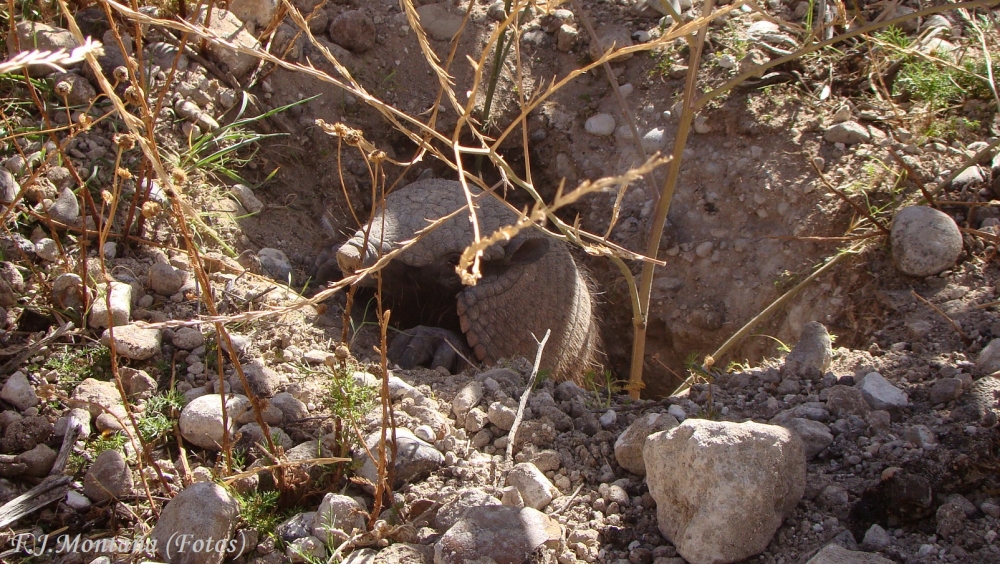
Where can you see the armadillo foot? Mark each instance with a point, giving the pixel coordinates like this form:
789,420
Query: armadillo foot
325,268
428,346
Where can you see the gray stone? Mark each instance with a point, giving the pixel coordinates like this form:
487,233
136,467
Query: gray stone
950,519
848,133
876,539
19,392
306,549
945,390
121,306
925,241
654,140
496,533
723,489
68,292
11,284
98,396
836,554
201,420
247,198
137,384
132,341
76,89
25,434
629,445
600,125
258,12
188,338
988,360
982,400
338,518
451,511
536,490
166,280
275,264
880,393
201,511
66,208
38,461
414,458
47,249
38,36
263,381
467,398
968,178
229,27
843,401
9,187
296,527
611,37
502,414
291,408
251,434
811,356
815,435
438,22
354,30
109,477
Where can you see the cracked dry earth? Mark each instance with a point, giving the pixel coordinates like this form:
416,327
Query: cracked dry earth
873,441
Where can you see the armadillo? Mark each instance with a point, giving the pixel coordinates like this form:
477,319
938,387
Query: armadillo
530,283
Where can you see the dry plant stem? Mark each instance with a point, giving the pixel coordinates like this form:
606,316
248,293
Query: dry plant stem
383,485
914,176
965,338
527,393
641,316
984,153
182,212
650,190
708,97
776,304
857,208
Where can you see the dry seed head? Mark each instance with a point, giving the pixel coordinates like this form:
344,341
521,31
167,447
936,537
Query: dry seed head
342,352
124,173
133,95
150,210
179,176
107,196
125,141
84,120
120,74
63,88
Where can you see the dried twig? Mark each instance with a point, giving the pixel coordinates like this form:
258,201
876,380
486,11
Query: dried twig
524,397
965,338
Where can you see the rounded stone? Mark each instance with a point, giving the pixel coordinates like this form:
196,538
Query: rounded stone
925,241
354,31
600,125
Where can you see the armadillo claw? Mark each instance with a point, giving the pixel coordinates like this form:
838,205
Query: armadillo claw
325,269
427,346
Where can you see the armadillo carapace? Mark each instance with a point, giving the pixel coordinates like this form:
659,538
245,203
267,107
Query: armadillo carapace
530,283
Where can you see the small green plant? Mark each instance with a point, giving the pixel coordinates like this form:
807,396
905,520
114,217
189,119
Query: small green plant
259,510
603,386
157,420
894,36
109,442
75,364
347,398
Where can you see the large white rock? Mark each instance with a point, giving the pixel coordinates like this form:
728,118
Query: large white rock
536,490
121,306
195,526
201,420
925,241
836,554
722,489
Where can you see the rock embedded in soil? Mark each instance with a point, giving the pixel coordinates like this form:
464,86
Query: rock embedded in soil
229,27
414,458
68,291
9,186
201,420
467,398
99,396
945,390
121,306
450,512
611,37
925,241
263,381
439,22
292,409
132,341
201,511
502,413
25,434
109,477
988,360
880,393
536,490
47,249
968,178
836,554
353,30
166,280
811,356
66,208
496,533
76,89
38,461
848,133
723,489
188,338
629,445
19,392
258,12
275,264
600,125
137,383
337,519
816,437
11,284
246,197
